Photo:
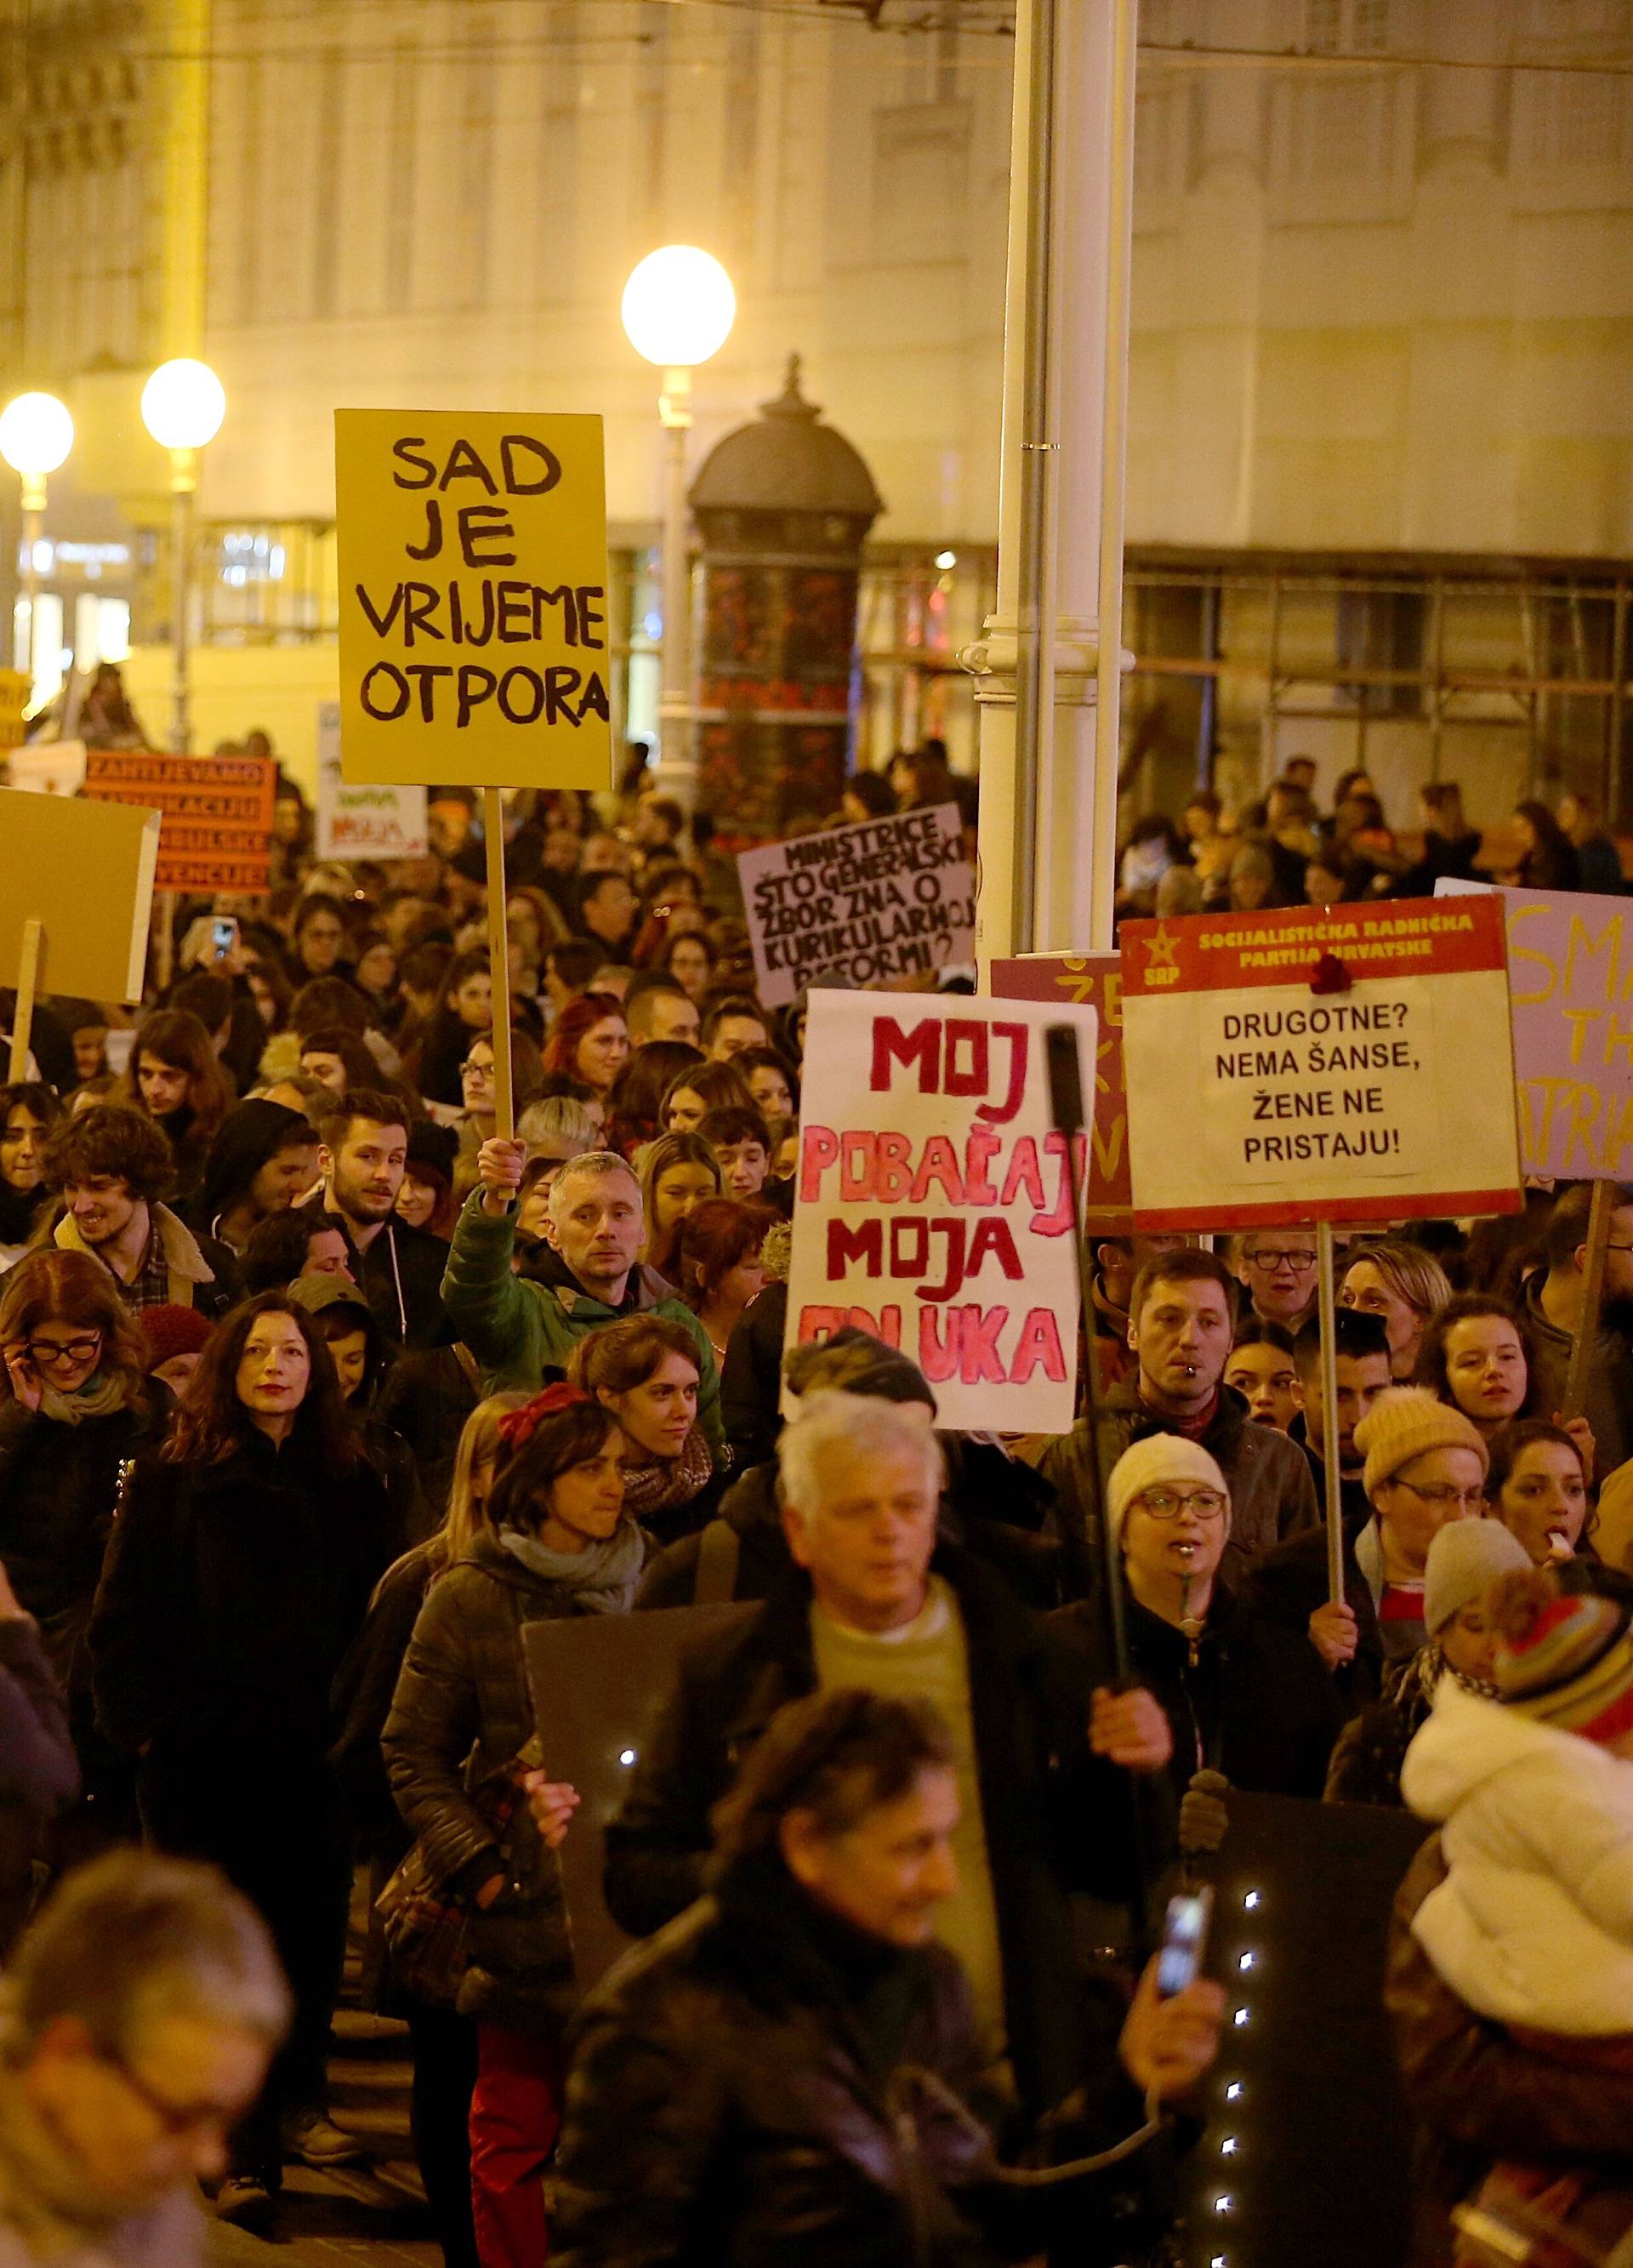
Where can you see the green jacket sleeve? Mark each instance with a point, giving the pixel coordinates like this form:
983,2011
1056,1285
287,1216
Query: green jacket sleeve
485,1302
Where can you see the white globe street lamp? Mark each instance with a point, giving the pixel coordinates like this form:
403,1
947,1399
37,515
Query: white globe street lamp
678,309
36,434
183,404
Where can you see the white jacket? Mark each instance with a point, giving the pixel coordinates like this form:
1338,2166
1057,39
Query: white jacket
1534,1922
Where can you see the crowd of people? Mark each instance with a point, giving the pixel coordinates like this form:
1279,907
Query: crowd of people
318,1389
1283,850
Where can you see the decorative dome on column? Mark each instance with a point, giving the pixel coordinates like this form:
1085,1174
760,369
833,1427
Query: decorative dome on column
783,507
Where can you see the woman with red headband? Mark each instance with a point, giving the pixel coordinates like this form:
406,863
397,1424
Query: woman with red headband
462,1754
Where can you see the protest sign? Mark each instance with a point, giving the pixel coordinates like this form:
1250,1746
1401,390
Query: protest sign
473,599
858,905
936,1207
1570,990
85,872
363,822
217,813
16,690
1347,1064
47,767
1094,980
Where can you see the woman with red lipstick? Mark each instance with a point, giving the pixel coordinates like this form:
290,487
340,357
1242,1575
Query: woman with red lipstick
240,1566
1477,1354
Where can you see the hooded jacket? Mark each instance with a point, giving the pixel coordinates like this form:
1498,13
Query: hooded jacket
518,1328
461,1715
1533,1924
399,1274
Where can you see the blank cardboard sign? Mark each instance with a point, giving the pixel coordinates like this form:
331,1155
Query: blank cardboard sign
86,871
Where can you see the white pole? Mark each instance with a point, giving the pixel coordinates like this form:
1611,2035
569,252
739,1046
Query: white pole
1102,806
677,767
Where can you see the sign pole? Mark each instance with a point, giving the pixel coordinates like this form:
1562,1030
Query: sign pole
1592,1285
499,961
1329,1401
27,983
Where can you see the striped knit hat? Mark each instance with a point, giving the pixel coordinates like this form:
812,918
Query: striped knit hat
1570,1664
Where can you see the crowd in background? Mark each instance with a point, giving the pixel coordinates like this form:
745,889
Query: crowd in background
1283,850
318,1389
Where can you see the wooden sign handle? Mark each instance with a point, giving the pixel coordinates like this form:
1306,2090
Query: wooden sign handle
28,985
499,960
1326,1296
1593,1286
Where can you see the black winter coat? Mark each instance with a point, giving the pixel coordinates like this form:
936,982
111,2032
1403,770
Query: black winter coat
764,2086
461,1715
58,1487
1056,1817
401,1277
1289,1583
1254,1702
39,1774
230,1596
426,1395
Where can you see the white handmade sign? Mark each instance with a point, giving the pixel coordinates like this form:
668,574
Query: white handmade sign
936,1207
1347,1063
860,906
363,822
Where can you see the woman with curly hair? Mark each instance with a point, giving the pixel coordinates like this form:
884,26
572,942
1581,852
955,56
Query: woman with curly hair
74,1405
239,1572
175,1079
678,1173
462,1754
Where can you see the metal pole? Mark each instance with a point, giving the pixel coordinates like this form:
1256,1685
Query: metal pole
33,528
1113,471
677,771
1329,1428
499,965
183,484
1034,657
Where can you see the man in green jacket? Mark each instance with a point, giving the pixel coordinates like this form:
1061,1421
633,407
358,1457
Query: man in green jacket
517,1327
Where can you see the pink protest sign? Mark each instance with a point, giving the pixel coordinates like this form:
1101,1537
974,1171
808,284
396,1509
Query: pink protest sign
937,1207
1570,992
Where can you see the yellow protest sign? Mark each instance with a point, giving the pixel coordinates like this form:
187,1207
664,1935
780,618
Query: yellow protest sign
473,599
84,870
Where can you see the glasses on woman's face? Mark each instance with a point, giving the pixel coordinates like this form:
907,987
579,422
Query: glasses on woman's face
1168,1504
64,1350
1443,1495
477,1073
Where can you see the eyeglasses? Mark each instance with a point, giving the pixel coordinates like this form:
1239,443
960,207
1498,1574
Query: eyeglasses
1168,1504
66,1350
476,1070
1266,1258
1444,1494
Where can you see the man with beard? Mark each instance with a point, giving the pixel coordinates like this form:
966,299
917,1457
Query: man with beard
1553,1304
363,1150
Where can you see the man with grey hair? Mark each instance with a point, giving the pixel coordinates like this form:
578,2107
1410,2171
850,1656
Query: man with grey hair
874,1601
141,2010
590,1275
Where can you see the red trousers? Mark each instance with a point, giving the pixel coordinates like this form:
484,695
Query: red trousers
516,2114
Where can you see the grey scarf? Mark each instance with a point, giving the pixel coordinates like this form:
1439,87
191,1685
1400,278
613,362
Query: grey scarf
98,1398
603,1576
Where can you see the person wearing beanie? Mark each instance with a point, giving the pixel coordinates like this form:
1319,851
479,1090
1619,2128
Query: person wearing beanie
263,1159
1533,1926
362,1362
1459,1644
1179,1332
1243,1695
175,1337
1425,1465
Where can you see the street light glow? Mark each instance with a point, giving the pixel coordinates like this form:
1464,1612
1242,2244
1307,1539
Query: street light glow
36,434
183,404
679,306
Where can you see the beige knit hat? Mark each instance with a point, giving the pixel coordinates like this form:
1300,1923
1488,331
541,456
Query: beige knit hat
1407,1421
1146,1464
